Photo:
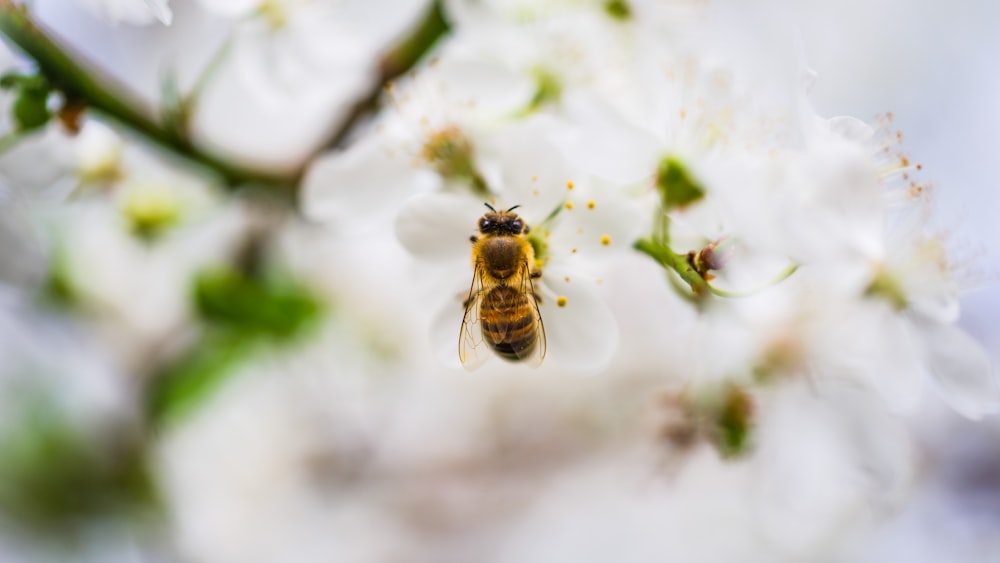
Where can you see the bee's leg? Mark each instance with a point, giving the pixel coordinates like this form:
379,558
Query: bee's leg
536,275
473,239
468,299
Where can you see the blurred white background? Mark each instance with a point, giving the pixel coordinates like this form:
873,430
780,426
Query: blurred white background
933,65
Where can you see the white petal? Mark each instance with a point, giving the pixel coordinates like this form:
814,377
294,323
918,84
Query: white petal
444,331
230,8
486,88
582,335
160,10
807,486
851,128
960,369
529,170
438,225
359,183
604,144
599,225
880,346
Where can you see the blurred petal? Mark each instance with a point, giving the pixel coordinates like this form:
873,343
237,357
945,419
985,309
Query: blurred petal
851,128
444,331
602,143
359,183
960,369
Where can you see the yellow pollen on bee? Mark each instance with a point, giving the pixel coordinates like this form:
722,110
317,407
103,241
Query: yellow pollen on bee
591,204
561,300
569,205
569,185
605,240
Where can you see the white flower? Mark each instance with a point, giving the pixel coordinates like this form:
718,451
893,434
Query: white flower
292,72
575,226
138,12
128,243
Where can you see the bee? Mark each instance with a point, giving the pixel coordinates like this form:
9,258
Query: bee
502,300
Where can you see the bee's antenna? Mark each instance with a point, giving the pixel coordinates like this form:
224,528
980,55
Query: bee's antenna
490,207
513,208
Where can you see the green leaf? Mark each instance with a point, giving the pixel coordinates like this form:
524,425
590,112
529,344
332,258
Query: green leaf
273,306
677,187
30,109
243,313
187,383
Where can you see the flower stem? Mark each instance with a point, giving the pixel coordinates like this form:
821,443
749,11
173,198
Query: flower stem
700,288
784,275
80,83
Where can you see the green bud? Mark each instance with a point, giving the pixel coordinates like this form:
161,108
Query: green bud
734,423
618,9
677,187
884,286
548,91
31,110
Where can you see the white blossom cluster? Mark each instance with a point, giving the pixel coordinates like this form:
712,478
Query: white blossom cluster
741,300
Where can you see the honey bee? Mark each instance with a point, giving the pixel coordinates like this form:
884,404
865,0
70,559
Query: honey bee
502,300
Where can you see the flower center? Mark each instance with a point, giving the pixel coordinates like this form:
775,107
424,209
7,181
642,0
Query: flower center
450,153
275,13
885,286
150,210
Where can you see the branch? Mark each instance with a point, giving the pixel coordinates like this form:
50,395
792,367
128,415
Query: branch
80,83
407,53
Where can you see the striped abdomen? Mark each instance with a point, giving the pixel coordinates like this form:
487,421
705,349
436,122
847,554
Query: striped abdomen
508,320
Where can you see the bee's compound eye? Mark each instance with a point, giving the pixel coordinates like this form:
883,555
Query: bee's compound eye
517,225
485,224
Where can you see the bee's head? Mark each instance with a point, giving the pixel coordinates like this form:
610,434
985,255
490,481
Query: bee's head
501,222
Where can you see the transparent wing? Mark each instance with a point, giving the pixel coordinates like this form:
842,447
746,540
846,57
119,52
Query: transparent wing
537,353
472,351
